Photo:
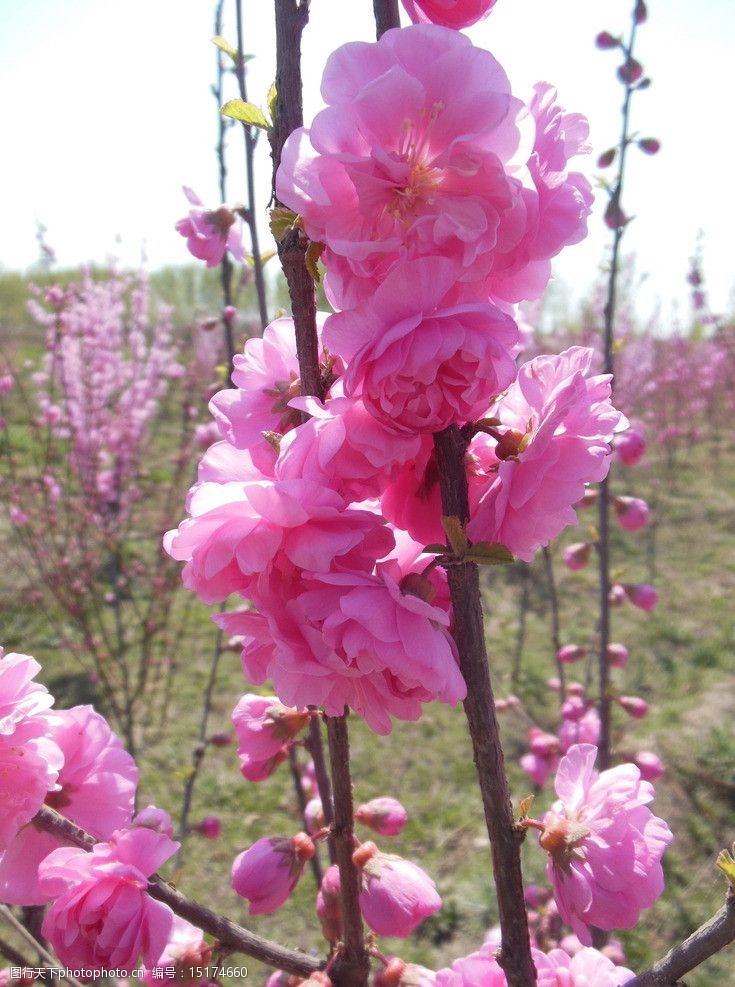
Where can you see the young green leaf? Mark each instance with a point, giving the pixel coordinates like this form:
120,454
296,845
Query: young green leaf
455,534
488,553
248,113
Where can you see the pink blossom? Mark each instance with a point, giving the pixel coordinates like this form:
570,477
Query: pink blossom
211,232
408,159
95,788
20,696
265,378
642,595
242,534
396,973
649,764
29,766
577,556
586,968
604,844
156,819
449,13
538,768
262,770
101,916
7,383
630,446
419,362
267,873
396,895
384,815
632,513
558,424
480,968
263,725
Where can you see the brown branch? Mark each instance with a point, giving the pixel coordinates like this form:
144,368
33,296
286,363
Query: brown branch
233,937
386,15
709,939
469,633
353,966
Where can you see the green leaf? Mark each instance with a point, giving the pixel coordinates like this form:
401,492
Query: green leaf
271,101
455,535
248,113
488,553
726,862
525,806
313,253
225,46
436,549
281,221
264,258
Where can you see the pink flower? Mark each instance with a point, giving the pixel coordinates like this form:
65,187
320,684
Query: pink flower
586,968
630,446
267,873
242,534
449,13
419,362
604,844
20,697
408,159
642,595
101,916
185,950
584,730
7,383
649,764
632,513
156,819
480,968
558,424
538,768
29,766
265,378
344,447
262,770
210,232
263,725
396,895
95,788
385,815
577,556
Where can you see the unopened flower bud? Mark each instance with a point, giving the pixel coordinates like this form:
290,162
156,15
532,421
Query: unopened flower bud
229,312
634,706
314,816
630,71
649,145
571,652
577,555
649,764
630,446
632,513
156,819
267,873
617,595
642,595
606,158
210,827
606,40
617,654
223,739
385,816
640,14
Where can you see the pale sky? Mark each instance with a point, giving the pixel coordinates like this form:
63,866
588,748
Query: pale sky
106,112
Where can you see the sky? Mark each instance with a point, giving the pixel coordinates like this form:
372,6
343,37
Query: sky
106,111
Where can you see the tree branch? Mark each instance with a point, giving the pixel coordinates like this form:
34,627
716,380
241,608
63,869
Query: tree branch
469,633
386,15
709,939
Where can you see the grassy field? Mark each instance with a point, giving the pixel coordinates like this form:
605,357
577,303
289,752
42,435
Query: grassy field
681,662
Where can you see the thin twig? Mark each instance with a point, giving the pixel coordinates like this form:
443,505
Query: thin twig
386,16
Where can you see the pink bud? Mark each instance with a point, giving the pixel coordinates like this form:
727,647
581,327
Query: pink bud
314,816
308,780
17,515
577,555
606,40
329,905
617,654
590,498
606,158
385,816
229,312
640,14
617,595
575,689
267,873
536,895
649,764
6,383
615,218
649,145
156,819
632,513
630,71
262,770
574,708
210,827
542,744
614,951
396,895
571,652
554,684
264,725
630,446
642,595
634,706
